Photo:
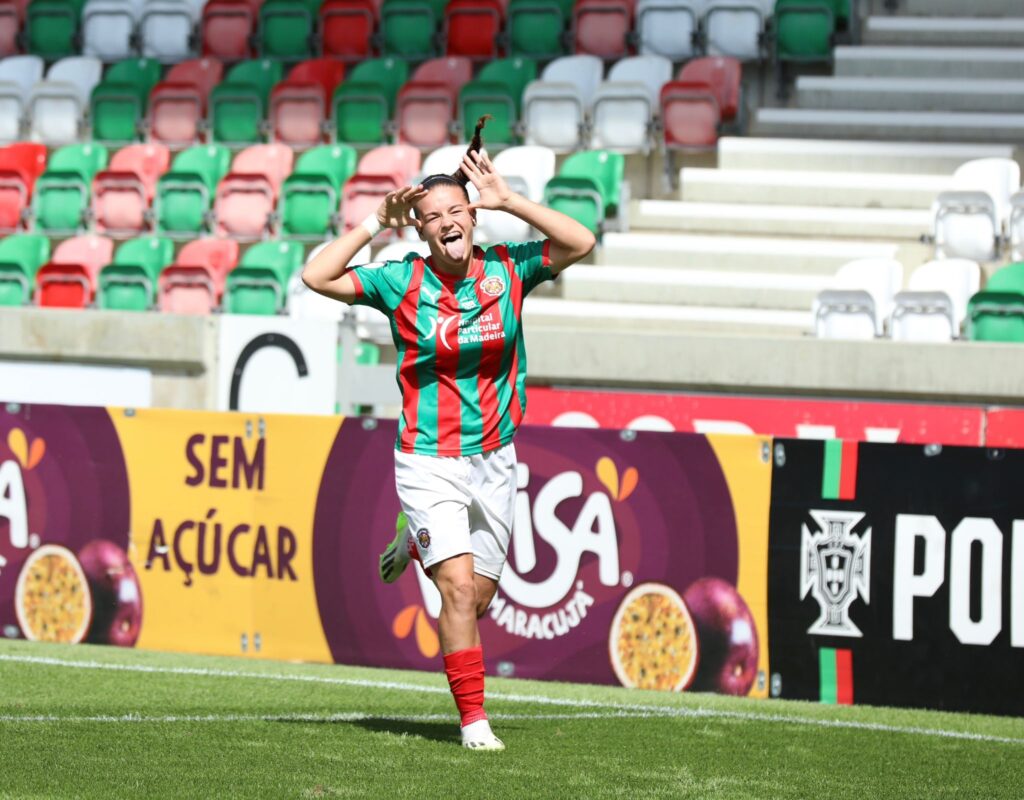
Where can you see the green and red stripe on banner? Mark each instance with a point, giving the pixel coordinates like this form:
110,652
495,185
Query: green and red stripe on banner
839,475
836,676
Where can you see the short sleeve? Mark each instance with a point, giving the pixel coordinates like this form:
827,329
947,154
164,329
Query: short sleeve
381,285
532,263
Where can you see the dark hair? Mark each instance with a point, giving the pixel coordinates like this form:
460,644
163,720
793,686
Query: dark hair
459,178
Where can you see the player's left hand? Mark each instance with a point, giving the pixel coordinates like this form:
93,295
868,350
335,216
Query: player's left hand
494,192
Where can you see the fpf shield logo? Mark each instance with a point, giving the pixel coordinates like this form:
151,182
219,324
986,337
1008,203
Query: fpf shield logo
835,567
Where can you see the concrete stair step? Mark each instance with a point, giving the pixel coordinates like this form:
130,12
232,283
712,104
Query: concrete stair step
983,63
910,94
844,189
959,8
955,30
917,126
831,155
767,220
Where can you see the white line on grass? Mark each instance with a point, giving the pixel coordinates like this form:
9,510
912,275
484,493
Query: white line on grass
626,708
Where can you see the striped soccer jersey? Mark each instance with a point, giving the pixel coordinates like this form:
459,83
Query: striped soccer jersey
461,355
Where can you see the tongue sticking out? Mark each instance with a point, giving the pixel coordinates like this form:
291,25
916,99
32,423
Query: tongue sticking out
456,249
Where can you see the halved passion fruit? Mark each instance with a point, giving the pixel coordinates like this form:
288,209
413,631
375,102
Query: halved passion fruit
653,641
52,597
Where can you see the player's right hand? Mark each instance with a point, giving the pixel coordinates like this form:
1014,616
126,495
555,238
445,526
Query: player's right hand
395,211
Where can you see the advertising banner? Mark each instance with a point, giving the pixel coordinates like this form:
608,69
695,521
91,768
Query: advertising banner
792,417
896,575
1004,427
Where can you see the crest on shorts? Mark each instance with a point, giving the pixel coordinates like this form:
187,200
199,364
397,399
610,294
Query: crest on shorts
493,286
423,537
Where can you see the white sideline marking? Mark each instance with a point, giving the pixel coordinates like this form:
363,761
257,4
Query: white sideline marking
619,709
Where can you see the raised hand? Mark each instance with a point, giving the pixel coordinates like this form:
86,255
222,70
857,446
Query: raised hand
395,211
494,192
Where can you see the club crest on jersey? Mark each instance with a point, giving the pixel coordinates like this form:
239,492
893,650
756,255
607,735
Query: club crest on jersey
423,537
493,286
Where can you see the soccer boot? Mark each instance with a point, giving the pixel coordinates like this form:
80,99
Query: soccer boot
396,555
479,736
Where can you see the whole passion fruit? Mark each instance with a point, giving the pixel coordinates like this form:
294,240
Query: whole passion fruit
51,597
653,641
728,637
117,597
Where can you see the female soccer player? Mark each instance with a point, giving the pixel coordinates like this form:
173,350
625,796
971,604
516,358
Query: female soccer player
456,321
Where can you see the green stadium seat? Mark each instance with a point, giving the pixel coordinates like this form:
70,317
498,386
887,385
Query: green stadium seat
286,29
498,91
130,282
311,195
588,187
258,285
1007,279
21,256
51,28
364,105
238,105
996,316
118,104
184,195
408,28
63,193
804,30
536,28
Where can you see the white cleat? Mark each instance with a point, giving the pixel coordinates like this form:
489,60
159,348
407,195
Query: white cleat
479,736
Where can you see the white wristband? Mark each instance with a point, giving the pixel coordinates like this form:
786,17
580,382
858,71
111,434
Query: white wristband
372,225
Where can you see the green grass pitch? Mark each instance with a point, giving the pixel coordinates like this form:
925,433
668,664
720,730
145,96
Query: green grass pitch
102,722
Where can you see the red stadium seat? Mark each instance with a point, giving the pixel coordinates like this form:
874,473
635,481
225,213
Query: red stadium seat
69,280
347,28
122,194
690,116
299,103
723,76
20,164
380,171
247,196
177,105
602,28
12,15
194,284
428,104
227,29
472,28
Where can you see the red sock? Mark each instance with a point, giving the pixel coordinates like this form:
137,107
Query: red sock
414,554
465,670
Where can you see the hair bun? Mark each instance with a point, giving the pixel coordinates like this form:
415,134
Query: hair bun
475,145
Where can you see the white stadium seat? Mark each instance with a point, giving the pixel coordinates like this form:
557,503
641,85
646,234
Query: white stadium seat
966,225
625,105
668,27
923,317
397,251
304,302
108,28
879,277
959,278
18,74
1016,227
166,29
844,314
735,27
997,177
58,103
527,169
556,108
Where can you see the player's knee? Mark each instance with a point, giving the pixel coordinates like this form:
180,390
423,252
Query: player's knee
461,595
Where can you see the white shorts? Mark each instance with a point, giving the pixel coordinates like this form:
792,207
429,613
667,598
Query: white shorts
460,504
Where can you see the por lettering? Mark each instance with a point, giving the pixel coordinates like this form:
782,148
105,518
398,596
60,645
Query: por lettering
910,585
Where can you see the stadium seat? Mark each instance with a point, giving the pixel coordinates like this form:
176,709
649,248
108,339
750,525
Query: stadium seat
473,28
555,108
1016,226
536,28
626,105
736,28
286,29
311,196
122,194
21,256
527,170
724,77
166,30
668,28
347,28
364,105
70,278
21,164
259,284
408,28
118,104
999,178
12,14
966,225
304,303
602,28
108,28
589,188
705,94
298,105
922,317
18,75
247,196
184,195
427,105
178,104
881,278
238,105
996,315
61,197
227,29
844,314
804,31
57,105
129,283
380,171
498,91
51,28
958,278
194,284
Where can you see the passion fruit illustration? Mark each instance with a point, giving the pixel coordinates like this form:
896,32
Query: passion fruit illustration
653,640
52,599
727,634
116,595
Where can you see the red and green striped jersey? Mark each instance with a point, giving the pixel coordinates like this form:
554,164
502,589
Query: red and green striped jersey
461,354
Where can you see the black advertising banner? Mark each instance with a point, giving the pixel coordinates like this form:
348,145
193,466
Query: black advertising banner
896,575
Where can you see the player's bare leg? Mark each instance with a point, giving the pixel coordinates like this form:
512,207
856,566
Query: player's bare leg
460,644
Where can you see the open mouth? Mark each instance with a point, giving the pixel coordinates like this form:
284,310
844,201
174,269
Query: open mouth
454,245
